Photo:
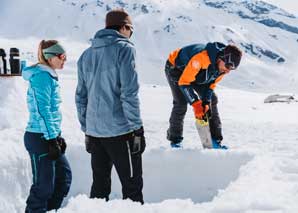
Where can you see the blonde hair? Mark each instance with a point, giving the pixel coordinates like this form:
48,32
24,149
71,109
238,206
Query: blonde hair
43,45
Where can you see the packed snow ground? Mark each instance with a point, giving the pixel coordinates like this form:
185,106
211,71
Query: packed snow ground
259,173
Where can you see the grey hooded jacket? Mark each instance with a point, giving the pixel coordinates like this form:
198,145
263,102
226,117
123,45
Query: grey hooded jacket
107,91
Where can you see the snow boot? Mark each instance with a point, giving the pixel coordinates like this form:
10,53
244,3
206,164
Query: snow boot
176,141
216,144
176,145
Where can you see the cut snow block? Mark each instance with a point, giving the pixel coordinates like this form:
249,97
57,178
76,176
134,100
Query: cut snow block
11,111
280,98
189,174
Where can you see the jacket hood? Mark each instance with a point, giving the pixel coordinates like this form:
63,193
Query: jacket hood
28,72
213,49
107,37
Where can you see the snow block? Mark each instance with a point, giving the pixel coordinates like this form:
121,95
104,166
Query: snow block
280,98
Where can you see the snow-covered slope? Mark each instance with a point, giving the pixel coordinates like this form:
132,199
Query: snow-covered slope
285,4
268,35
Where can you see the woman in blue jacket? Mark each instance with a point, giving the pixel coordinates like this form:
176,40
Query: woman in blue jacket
43,141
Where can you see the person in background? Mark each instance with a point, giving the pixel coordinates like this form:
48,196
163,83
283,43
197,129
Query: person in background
43,141
192,73
108,108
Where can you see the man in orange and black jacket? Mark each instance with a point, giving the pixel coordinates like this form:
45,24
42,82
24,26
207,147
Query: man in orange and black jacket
192,73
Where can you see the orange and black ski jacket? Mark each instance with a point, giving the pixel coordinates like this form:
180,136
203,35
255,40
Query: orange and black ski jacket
195,66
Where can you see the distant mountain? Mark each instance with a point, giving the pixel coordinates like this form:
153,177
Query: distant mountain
267,34
258,11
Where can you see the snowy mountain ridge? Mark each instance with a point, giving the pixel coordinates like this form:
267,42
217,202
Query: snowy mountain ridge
267,34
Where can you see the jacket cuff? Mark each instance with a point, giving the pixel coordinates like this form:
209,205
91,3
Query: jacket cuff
189,94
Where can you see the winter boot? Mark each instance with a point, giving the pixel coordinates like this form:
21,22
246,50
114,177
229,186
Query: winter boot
216,144
176,141
176,145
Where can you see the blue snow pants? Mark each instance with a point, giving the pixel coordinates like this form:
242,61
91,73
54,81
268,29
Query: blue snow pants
51,179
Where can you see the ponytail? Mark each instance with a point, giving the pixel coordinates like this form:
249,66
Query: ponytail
43,45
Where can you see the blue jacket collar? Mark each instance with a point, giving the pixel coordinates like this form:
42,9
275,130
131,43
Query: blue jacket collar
107,37
28,72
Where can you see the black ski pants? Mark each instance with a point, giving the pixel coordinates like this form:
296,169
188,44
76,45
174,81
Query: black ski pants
175,130
117,151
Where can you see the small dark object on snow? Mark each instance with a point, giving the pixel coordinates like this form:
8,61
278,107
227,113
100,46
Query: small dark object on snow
14,60
280,98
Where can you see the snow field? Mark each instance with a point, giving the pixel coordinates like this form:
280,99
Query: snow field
258,174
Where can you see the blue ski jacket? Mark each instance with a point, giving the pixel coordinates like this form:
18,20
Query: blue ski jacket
43,100
107,91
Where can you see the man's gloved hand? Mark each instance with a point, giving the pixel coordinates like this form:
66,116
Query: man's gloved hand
88,144
200,108
54,149
62,144
138,142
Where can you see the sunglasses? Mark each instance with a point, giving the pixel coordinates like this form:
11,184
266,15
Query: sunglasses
229,64
61,56
130,28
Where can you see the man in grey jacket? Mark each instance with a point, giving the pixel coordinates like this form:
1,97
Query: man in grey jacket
108,108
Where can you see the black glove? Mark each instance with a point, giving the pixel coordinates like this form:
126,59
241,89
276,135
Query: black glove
62,144
88,144
138,142
54,149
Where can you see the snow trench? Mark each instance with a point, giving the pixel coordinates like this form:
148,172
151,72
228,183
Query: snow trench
169,174
194,174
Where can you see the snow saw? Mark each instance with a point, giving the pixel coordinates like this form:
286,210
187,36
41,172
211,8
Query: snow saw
204,132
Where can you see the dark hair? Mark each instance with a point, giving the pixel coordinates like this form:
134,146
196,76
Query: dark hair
117,17
115,27
233,49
